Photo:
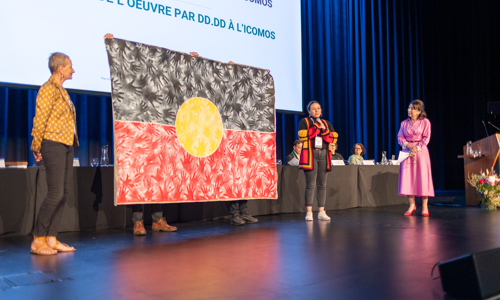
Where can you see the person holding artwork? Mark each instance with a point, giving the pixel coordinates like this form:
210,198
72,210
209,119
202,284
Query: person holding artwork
159,222
239,213
415,176
54,133
316,135
358,150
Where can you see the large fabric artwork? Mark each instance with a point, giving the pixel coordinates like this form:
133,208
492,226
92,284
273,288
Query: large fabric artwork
190,129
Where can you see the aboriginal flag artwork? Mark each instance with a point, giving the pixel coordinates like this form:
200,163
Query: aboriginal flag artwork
190,129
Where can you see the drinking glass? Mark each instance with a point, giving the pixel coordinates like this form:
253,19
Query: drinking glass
94,162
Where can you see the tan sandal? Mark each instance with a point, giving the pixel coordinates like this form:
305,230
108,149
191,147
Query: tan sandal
59,243
43,244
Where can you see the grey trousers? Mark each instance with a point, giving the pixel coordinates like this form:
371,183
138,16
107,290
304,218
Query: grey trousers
237,207
316,179
58,161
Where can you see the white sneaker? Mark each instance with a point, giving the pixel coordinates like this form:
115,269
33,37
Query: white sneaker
309,216
322,216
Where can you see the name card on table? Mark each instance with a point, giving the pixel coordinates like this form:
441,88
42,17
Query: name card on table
2,162
368,162
76,162
338,162
294,162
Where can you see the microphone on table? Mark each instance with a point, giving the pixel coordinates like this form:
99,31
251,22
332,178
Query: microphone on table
485,129
494,126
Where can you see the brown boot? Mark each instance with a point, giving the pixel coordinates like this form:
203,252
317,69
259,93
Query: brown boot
139,228
162,226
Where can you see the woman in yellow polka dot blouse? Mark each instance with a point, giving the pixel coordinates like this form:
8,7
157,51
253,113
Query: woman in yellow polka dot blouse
54,133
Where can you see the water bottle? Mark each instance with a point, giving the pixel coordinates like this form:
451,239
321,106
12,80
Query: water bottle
384,158
469,148
104,156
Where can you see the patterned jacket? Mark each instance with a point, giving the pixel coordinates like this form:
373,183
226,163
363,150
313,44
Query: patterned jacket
308,130
55,117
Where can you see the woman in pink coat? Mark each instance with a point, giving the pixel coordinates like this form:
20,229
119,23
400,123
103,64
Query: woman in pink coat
415,176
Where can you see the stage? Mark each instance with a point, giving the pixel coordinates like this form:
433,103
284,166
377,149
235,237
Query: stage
91,205
362,253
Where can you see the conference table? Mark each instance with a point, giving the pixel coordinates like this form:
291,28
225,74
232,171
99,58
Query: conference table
91,204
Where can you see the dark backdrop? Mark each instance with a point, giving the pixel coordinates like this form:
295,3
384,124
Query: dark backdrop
364,61
462,63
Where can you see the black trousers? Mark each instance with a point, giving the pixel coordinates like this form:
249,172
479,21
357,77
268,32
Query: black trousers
58,161
316,179
237,207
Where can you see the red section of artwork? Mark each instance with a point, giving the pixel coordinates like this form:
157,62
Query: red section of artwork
152,167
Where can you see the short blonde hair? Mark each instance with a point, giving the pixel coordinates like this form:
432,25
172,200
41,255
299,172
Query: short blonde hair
57,59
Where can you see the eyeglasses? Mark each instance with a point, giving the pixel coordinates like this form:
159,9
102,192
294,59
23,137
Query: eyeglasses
357,148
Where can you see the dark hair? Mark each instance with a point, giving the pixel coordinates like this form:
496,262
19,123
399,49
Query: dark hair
363,151
57,59
297,142
311,103
419,105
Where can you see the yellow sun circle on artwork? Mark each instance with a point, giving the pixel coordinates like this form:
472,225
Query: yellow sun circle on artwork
199,127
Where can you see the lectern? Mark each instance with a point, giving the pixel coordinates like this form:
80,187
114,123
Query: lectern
490,148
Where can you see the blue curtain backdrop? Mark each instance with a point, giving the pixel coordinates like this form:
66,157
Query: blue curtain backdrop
361,60
364,62
94,124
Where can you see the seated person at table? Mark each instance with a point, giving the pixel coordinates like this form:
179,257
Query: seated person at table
292,159
357,150
335,155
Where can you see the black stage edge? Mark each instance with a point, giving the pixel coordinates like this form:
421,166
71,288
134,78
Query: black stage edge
451,197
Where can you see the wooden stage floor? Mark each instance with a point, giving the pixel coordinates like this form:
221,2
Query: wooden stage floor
362,253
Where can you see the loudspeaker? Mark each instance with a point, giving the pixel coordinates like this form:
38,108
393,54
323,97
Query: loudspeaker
494,108
473,276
